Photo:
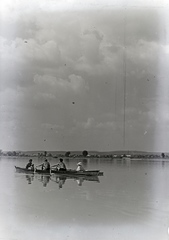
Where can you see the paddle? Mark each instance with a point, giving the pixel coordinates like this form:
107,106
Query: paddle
45,171
36,168
54,165
39,165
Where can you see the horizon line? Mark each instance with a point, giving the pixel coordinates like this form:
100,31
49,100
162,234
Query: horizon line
108,151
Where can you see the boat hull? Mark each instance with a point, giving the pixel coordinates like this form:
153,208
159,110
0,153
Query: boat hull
67,172
23,170
78,173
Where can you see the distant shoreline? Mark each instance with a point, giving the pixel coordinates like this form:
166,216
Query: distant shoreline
97,155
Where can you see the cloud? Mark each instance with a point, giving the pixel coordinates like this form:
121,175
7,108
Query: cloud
88,124
107,125
73,83
50,126
91,124
63,45
9,97
29,50
67,69
91,46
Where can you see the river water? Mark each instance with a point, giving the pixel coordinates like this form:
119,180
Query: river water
130,201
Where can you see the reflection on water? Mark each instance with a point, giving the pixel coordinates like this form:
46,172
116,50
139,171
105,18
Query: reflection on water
131,201
29,178
60,180
45,180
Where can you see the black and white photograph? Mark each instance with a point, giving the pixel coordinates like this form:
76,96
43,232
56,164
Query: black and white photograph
84,119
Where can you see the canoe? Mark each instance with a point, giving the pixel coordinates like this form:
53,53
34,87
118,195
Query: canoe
24,170
78,173
67,172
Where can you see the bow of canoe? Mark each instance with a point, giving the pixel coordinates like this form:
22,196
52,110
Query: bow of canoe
24,170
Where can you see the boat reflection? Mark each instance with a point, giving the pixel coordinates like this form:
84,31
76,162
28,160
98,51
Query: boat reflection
79,181
45,179
60,180
29,178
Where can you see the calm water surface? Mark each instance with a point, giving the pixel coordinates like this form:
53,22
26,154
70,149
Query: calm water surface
131,201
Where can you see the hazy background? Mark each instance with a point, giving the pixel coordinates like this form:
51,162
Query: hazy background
78,75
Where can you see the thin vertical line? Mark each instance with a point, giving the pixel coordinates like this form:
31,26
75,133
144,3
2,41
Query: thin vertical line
115,102
124,70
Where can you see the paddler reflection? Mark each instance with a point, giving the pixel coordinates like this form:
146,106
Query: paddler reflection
29,178
61,181
45,180
80,181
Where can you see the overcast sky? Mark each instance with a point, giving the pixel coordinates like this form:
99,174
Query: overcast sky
72,73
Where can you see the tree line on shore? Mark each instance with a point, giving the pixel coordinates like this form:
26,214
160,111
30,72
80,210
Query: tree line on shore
85,154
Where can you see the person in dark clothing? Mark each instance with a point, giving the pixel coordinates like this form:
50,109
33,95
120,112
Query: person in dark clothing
45,165
30,165
61,165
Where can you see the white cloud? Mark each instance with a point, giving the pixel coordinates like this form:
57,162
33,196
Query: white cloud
88,124
107,125
166,49
143,50
10,97
91,47
71,66
50,126
30,50
91,123
74,83
44,97
77,83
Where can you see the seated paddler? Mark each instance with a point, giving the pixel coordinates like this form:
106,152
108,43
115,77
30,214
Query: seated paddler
80,167
30,165
60,166
45,165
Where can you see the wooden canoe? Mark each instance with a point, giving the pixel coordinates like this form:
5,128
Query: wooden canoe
67,172
24,170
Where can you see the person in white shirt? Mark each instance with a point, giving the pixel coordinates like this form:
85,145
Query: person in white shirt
80,167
